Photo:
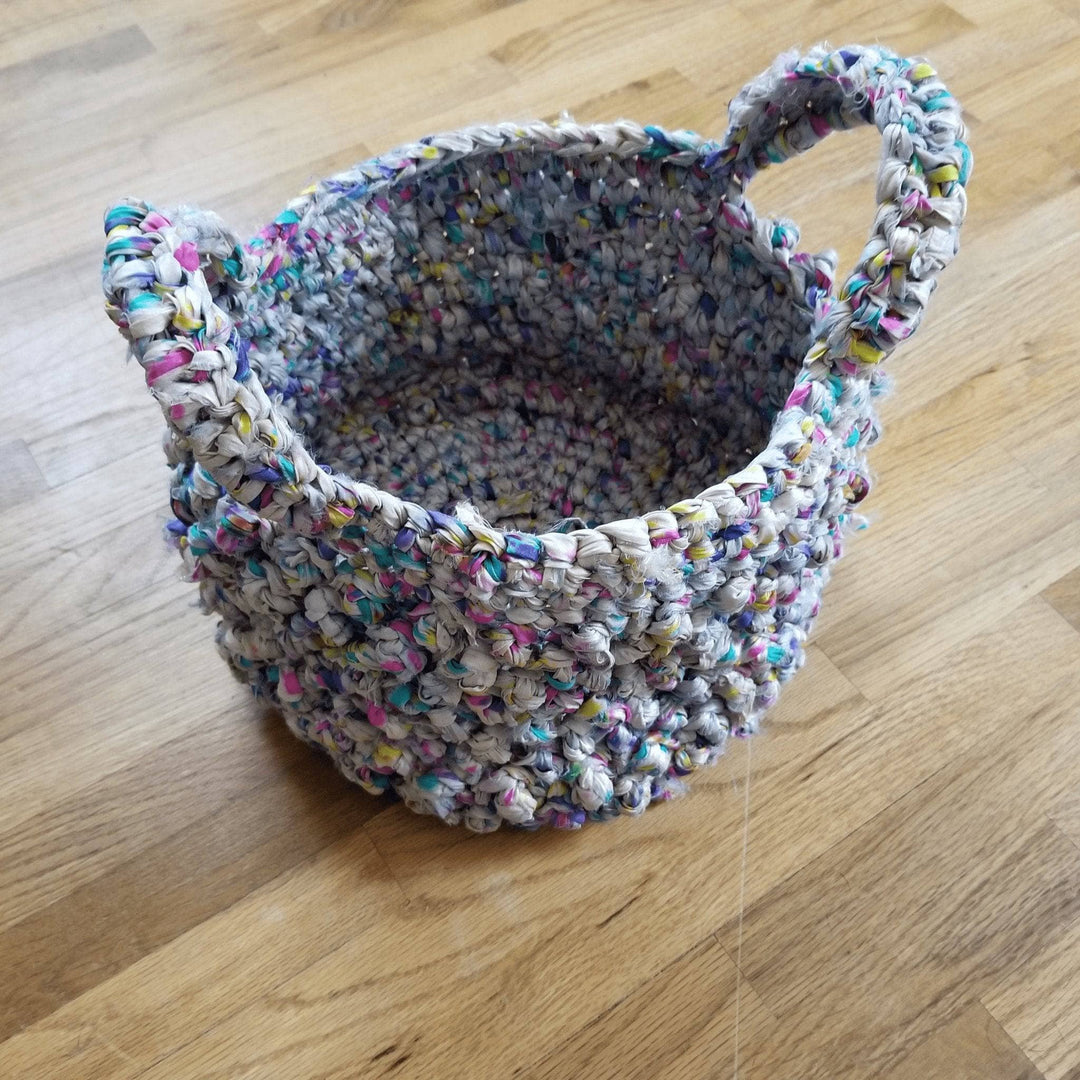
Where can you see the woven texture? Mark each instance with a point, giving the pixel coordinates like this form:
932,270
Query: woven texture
514,462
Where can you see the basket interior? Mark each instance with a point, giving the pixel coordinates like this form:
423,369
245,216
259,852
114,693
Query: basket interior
549,338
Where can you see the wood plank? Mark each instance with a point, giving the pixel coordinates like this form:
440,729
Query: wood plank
26,36
665,97
971,1047
121,1027
91,55
88,576
1038,1005
21,479
78,839
697,994
1064,596
246,837
107,695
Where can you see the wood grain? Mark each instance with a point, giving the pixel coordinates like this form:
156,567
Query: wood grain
1038,1004
699,993
187,891
971,1047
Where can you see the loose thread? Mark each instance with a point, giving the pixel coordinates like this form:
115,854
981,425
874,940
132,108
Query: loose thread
742,900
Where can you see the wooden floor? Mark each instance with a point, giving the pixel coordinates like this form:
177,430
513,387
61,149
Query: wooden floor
186,891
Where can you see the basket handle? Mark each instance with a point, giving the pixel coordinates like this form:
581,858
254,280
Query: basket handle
920,185
173,287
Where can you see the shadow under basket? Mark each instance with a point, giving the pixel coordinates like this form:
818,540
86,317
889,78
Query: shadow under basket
514,461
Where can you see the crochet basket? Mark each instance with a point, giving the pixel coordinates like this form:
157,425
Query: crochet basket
514,461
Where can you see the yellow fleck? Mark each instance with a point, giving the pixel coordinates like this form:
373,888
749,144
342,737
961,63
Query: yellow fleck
867,353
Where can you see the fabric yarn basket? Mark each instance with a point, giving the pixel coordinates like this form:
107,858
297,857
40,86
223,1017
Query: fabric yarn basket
514,461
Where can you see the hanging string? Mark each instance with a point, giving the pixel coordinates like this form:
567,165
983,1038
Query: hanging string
742,900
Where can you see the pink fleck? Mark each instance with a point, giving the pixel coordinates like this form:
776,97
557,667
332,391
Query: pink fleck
895,327
154,221
169,362
187,256
798,395
524,635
